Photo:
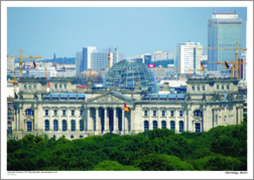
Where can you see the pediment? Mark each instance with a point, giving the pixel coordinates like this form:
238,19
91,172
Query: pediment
110,97
29,118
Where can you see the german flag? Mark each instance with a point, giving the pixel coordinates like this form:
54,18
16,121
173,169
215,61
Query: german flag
201,64
126,109
226,65
34,64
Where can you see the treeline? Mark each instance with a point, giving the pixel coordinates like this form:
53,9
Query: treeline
221,148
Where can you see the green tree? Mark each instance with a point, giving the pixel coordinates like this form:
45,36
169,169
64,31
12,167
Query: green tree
161,162
113,166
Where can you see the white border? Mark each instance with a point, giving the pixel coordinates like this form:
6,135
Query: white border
129,175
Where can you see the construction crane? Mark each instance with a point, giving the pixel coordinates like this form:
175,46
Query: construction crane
20,60
237,62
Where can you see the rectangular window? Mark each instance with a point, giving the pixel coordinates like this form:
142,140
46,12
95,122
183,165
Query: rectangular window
55,112
172,113
30,88
227,87
218,87
34,87
46,112
64,113
24,87
145,113
163,113
181,113
60,86
65,86
154,113
225,118
81,113
55,86
203,88
29,126
198,88
72,112
193,88
222,87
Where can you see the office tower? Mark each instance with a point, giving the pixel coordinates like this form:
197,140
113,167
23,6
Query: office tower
161,55
224,30
99,60
83,59
187,56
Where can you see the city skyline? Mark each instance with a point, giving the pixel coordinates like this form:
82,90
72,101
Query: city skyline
134,30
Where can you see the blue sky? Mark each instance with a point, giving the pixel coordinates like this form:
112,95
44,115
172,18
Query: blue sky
134,30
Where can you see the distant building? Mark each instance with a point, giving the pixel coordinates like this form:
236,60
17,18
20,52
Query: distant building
10,63
188,56
224,30
243,66
161,55
147,58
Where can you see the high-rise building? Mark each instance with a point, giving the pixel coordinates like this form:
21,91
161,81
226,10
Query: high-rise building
187,56
243,66
147,58
99,60
224,30
83,59
161,55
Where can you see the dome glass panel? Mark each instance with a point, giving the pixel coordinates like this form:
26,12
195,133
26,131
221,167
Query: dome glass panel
124,73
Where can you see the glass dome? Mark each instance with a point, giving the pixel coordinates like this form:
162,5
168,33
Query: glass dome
82,78
124,74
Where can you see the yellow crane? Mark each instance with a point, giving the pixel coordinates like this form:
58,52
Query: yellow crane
20,60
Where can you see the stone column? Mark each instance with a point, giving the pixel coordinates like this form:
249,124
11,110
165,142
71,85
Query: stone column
21,119
159,119
89,122
150,120
176,122
126,123
115,120
98,122
106,121
185,120
123,121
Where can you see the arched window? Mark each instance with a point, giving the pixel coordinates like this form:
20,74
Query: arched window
181,127
29,112
146,125
198,113
64,124
46,125
81,125
172,125
155,124
55,125
73,125
163,124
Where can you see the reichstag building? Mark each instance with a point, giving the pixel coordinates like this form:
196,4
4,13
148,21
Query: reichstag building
66,111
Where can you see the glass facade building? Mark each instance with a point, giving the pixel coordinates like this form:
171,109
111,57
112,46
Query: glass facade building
124,74
224,30
99,60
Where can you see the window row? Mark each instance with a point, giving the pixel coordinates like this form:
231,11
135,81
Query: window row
71,136
164,125
163,113
29,87
63,112
222,87
60,86
64,125
198,88
172,126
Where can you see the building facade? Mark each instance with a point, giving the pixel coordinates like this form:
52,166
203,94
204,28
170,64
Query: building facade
187,57
209,102
224,30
